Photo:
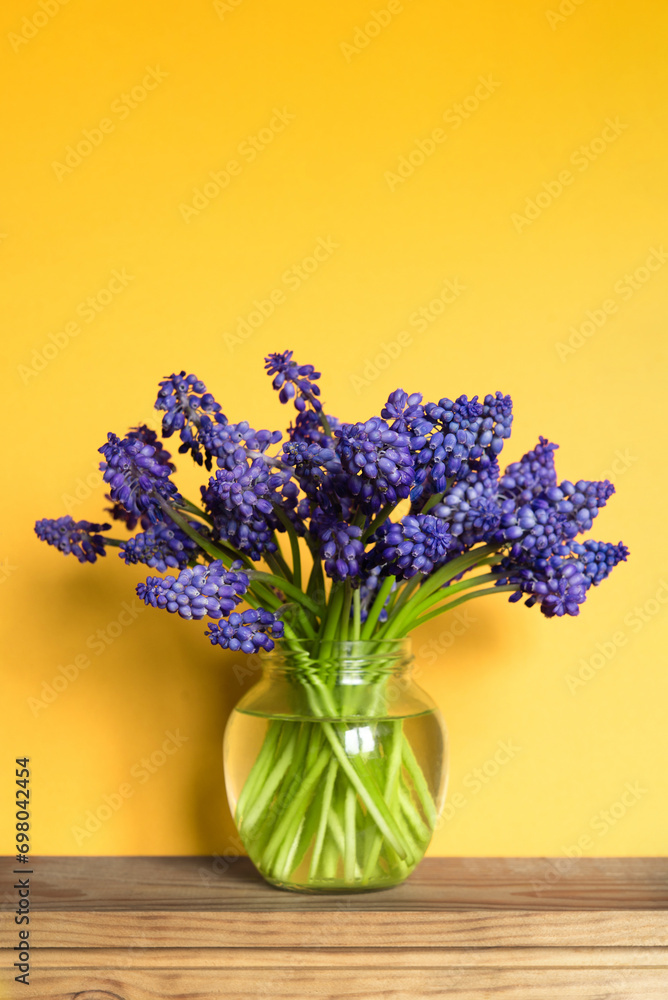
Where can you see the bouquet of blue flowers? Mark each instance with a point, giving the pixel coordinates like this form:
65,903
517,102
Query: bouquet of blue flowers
388,523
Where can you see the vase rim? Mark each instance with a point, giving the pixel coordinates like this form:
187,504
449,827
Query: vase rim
351,654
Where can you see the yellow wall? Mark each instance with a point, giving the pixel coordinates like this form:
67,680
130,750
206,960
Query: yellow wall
548,84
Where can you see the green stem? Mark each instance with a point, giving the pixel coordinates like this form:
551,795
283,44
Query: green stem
391,780
288,589
377,606
212,550
278,565
419,783
377,521
357,614
461,600
432,501
350,836
444,594
260,769
294,546
192,508
322,825
272,782
345,613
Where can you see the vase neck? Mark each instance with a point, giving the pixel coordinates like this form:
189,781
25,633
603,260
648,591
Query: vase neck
347,659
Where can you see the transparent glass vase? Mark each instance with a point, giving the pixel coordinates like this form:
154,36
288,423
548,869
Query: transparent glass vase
335,767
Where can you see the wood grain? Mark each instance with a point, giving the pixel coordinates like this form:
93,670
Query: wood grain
204,883
106,959
205,928
352,984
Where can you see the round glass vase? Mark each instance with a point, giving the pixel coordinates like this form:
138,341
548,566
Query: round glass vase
335,767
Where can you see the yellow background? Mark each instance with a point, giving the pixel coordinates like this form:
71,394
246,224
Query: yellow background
357,111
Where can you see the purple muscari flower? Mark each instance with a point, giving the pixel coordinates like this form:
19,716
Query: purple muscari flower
403,410
556,583
472,507
138,480
246,632
416,544
161,546
197,591
532,475
598,559
186,404
377,464
453,438
297,382
555,516
341,546
580,502
242,502
231,444
308,427
78,538
248,488
312,463
147,436
444,439
497,419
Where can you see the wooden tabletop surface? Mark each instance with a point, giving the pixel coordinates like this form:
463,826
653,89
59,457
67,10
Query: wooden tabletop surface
203,928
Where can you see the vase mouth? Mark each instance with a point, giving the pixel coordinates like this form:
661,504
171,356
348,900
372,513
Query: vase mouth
380,654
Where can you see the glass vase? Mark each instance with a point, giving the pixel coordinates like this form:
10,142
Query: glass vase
335,767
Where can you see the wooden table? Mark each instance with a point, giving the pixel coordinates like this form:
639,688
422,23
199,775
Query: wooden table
200,928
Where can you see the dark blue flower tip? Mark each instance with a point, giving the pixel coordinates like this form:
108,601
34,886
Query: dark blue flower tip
78,538
403,410
138,480
187,406
598,559
247,631
308,427
532,475
198,591
294,382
